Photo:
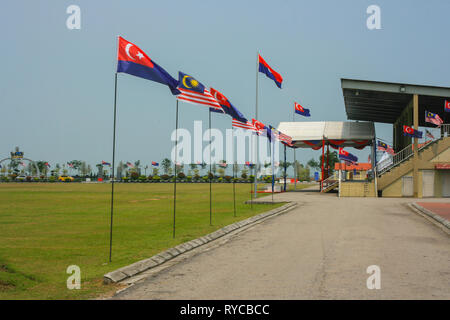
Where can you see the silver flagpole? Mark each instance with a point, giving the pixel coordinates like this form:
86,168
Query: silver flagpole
295,160
256,118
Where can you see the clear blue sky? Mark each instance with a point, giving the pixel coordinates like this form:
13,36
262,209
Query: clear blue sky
57,85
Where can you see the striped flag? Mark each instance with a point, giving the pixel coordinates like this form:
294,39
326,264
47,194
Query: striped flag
285,139
429,134
192,91
433,118
130,165
154,163
238,124
382,146
104,163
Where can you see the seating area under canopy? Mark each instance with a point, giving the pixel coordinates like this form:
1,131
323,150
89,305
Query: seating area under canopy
335,134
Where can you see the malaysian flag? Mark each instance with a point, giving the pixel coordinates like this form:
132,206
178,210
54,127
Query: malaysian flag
243,125
70,164
284,138
192,91
382,146
130,165
433,118
428,134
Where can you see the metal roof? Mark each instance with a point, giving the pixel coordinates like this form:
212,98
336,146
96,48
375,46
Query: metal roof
384,101
328,130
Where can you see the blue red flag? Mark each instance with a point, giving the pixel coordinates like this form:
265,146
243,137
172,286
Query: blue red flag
155,163
259,126
447,106
104,163
226,105
134,61
269,72
347,156
411,132
300,110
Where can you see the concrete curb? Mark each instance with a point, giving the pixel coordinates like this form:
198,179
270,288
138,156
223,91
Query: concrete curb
160,258
437,218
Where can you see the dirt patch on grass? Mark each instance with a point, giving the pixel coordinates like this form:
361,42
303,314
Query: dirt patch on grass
4,268
5,286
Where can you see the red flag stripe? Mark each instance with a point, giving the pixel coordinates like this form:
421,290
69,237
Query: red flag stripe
197,98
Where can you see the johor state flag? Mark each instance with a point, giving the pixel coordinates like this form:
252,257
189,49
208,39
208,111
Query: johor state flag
433,118
300,110
408,131
269,72
155,163
248,164
447,106
192,91
347,156
134,61
226,105
259,126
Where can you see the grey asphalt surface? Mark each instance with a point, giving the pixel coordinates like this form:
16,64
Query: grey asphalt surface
320,250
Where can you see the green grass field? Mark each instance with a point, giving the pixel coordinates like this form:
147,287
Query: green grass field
46,227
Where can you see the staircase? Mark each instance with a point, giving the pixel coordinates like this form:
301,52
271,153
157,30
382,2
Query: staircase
330,183
402,162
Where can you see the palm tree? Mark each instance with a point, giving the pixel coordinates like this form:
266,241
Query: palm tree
136,166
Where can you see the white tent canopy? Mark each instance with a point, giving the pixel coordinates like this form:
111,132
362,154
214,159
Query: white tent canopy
348,134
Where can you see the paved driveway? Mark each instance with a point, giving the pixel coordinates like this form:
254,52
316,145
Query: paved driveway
320,250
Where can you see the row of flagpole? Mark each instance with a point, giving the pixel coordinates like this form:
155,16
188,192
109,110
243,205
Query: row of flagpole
148,69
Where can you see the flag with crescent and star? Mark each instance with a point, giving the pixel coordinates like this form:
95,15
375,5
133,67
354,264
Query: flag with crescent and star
347,156
300,110
447,106
132,60
411,132
193,91
226,105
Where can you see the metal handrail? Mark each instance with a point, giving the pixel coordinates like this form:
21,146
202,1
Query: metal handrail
331,180
408,152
